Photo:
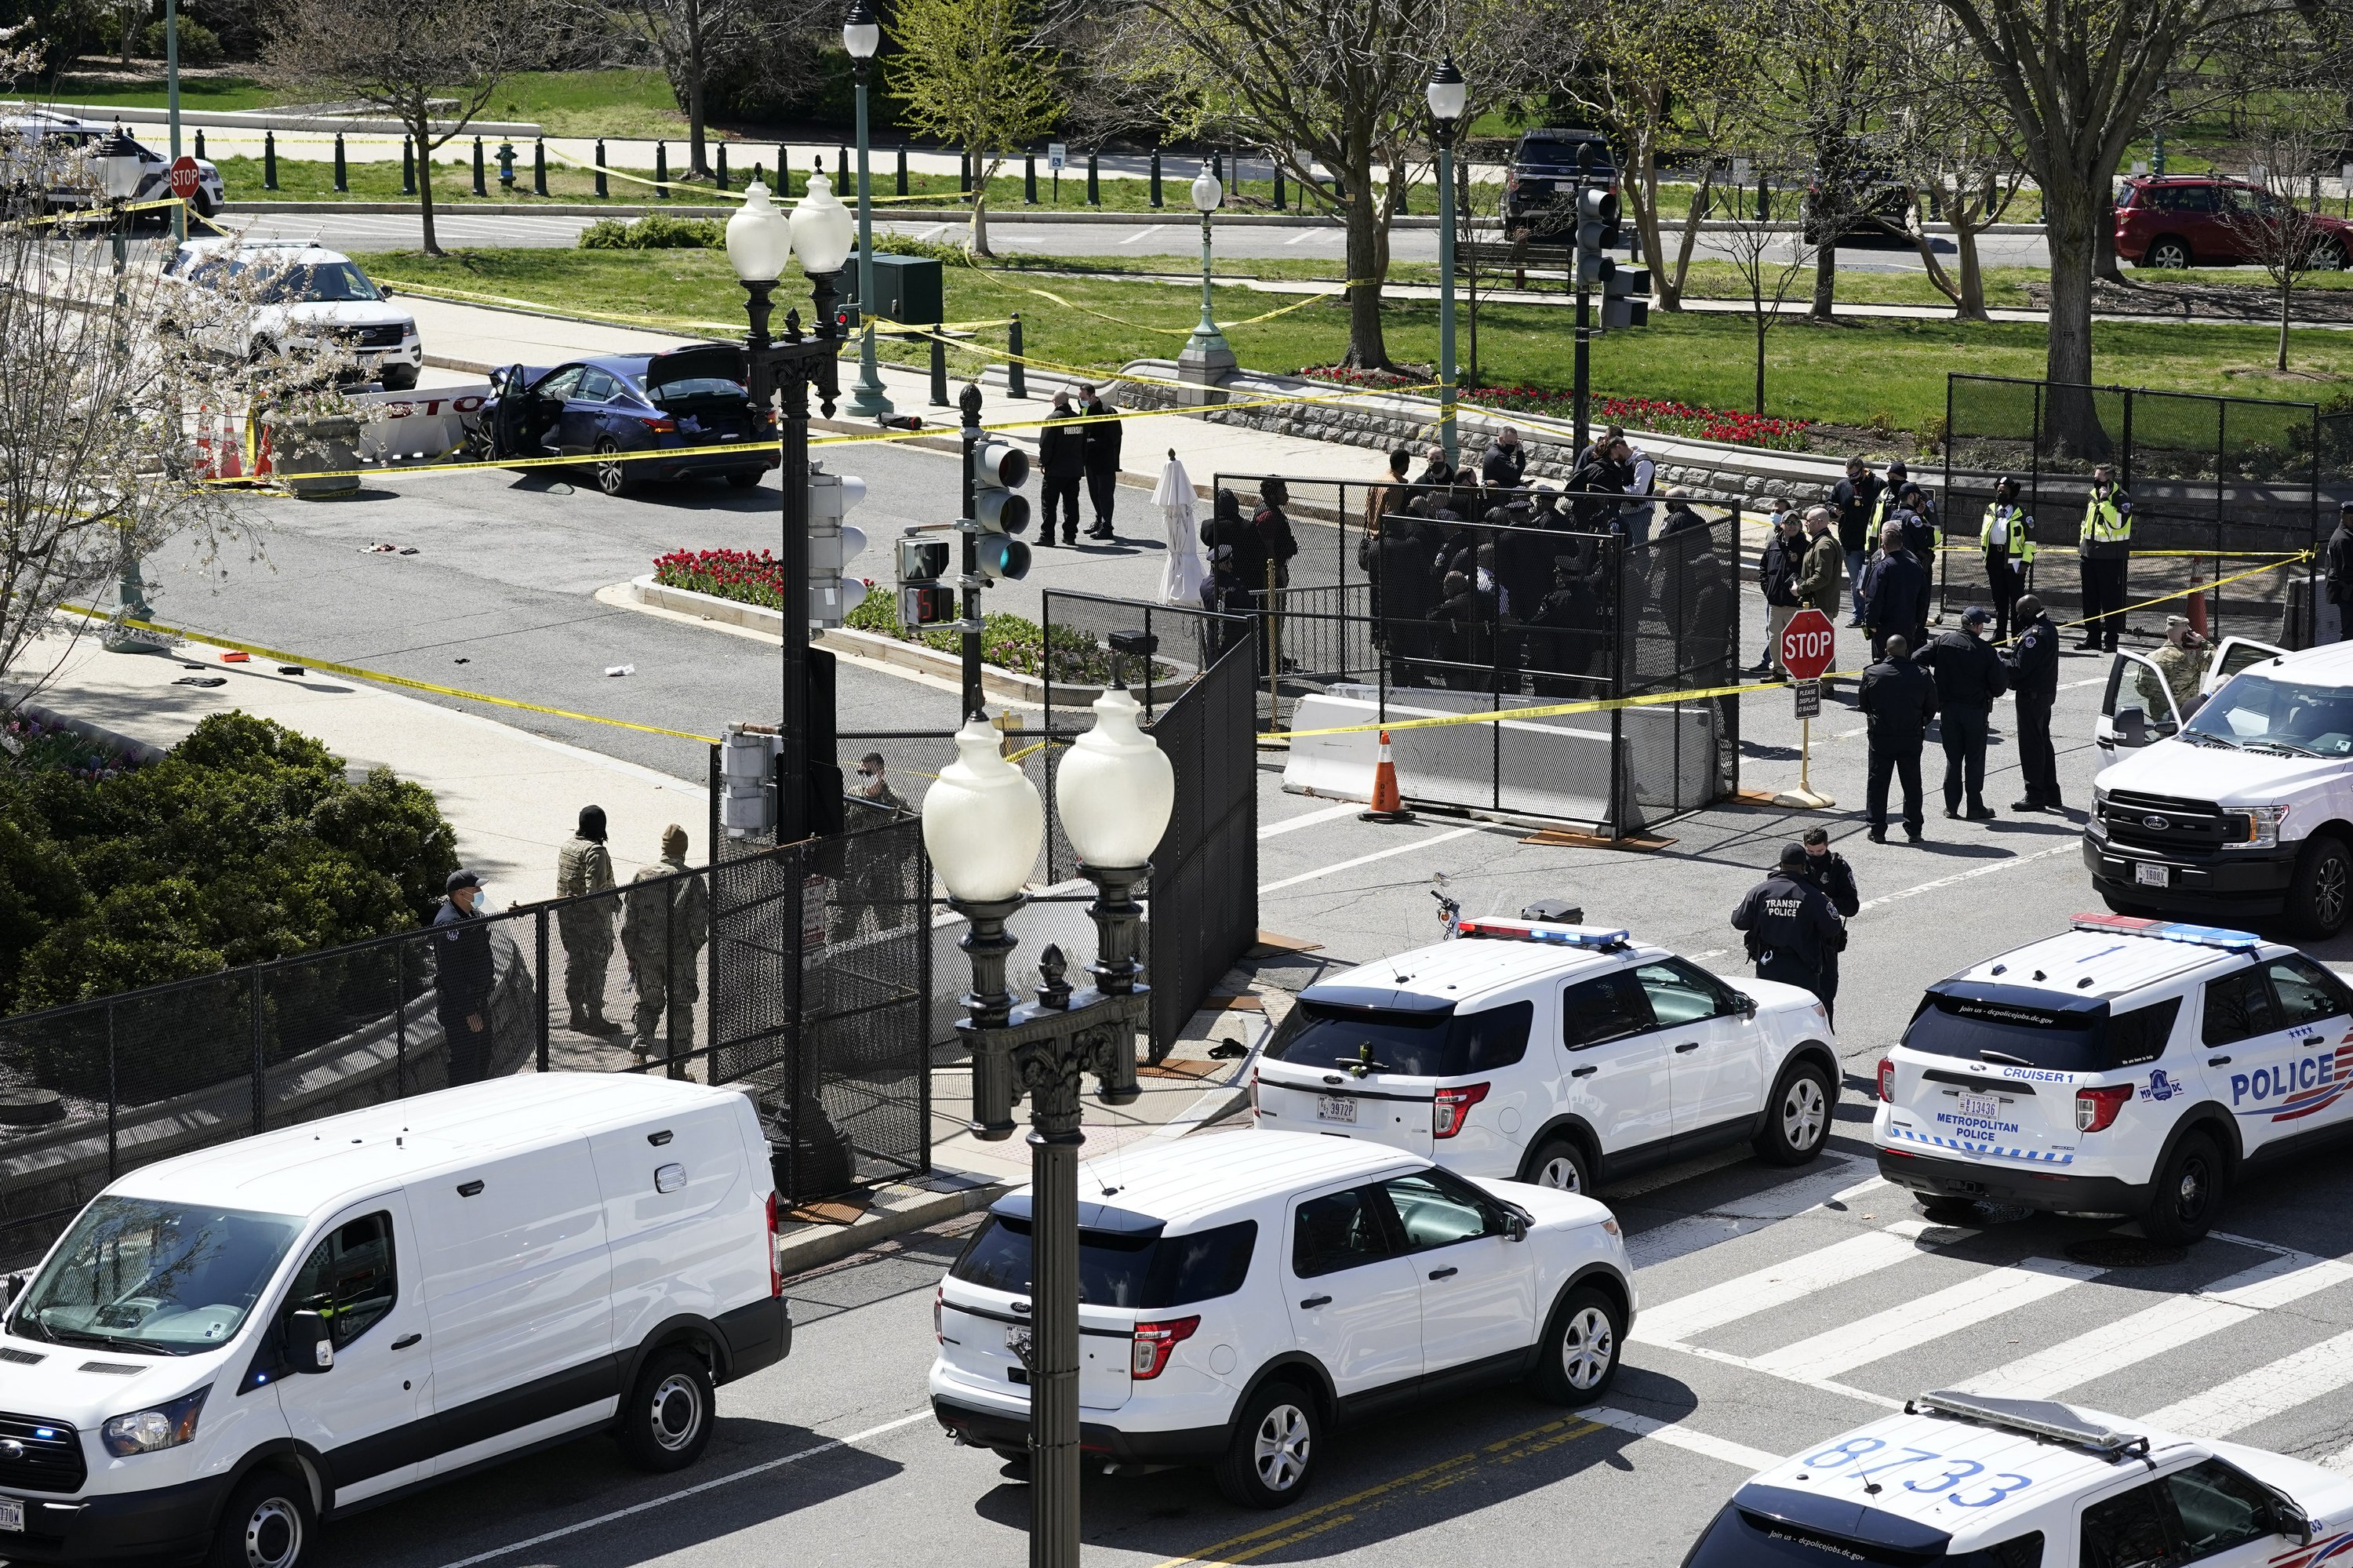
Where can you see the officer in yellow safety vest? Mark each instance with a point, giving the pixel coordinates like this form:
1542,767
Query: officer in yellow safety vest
2007,538
2104,547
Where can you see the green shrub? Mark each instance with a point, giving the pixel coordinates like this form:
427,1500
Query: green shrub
199,45
655,232
245,843
942,250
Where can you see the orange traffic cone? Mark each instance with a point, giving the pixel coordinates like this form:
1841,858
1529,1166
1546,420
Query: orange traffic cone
1388,805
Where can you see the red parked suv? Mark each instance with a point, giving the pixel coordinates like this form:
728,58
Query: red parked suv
2197,220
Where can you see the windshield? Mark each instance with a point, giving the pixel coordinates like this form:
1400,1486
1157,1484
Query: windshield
1415,1045
333,282
137,1274
2270,713
1143,1269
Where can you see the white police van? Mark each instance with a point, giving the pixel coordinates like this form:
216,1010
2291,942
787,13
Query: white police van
2240,808
1241,1294
1963,1480
2126,1067
1561,1055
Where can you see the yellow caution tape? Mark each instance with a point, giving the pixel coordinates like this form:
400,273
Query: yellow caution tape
356,673
2190,592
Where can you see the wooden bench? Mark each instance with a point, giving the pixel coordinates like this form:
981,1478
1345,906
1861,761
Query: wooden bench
1515,257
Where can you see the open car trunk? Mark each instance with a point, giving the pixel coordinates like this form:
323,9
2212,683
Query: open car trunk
705,389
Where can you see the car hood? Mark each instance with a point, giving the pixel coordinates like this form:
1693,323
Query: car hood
58,1389
1549,1206
2209,773
342,313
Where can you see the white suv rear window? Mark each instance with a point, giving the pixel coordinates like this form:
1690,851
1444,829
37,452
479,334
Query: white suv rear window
1434,1044
1118,1269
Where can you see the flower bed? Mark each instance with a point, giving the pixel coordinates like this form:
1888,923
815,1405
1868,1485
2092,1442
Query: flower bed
1658,414
738,574
34,747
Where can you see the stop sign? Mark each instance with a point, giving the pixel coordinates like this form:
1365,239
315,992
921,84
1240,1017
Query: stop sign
183,178
1808,643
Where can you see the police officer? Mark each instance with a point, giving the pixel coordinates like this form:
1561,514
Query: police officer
2007,537
1828,869
1970,676
1792,928
463,974
2033,662
1898,699
663,926
582,867
2104,546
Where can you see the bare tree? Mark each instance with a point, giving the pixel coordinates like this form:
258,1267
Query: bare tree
1339,83
1769,256
1828,68
1956,146
429,64
2274,217
101,415
696,41
978,74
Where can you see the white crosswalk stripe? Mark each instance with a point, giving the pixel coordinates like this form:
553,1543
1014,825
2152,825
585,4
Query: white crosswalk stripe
1790,1280
2267,1390
1989,1294
1833,1183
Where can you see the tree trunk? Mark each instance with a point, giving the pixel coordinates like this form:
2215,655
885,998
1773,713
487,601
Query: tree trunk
1825,287
1669,284
980,219
1756,315
420,129
2104,236
2287,291
1367,349
2071,212
1971,305
698,157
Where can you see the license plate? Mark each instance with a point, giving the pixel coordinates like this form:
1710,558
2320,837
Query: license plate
2150,876
1335,1108
1018,1339
12,1514
1972,1106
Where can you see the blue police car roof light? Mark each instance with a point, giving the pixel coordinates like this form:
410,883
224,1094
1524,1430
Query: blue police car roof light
1503,928
2169,931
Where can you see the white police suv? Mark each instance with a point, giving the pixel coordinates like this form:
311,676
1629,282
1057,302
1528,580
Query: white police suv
1555,1053
1241,1294
1963,1480
2126,1067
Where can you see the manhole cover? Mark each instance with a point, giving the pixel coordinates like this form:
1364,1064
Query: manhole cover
2125,1251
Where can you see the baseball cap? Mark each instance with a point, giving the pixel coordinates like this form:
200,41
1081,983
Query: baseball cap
460,878
1975,615
1793,854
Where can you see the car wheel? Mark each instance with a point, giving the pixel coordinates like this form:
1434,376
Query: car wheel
1270,1454
1560,1163
1949,1211
744,479
2321,892
666,1423
2187,1192
1797,1116
266,1524
612,477
2170,255
1578,1360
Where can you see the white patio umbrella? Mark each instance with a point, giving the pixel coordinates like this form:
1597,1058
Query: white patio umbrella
1181,572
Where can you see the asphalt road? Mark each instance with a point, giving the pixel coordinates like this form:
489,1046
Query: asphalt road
1176,236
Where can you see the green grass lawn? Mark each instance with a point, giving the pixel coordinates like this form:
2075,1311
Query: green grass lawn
216,95
1849,373
301,179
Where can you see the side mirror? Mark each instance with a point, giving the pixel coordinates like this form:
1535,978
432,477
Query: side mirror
385,289
2132,726
310,1345
1516,1227
1747,1006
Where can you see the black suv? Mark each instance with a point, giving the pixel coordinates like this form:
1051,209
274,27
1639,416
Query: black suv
1540,191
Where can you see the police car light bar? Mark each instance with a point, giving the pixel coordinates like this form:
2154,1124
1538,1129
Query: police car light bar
2035,1417
1505,929
2169,931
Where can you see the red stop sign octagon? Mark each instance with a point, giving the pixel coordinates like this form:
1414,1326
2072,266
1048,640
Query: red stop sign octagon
184,179
1809,644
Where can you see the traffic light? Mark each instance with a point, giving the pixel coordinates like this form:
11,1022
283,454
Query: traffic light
922,601
999,511
832,546
1625,297
1596,223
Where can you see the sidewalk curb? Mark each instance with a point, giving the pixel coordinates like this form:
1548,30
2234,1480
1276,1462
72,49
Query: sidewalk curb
898,1207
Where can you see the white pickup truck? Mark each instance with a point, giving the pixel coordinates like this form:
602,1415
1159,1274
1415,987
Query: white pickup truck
2240,809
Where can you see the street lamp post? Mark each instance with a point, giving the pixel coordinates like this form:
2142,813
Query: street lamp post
171,102
760,240
1207,357
1448,96
982,824
861,34
119,171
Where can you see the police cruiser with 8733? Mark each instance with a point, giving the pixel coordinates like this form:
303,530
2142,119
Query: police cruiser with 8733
2126,1067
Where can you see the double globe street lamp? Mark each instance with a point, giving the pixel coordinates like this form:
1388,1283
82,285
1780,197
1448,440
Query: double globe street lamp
760,240
861,34
1448,96
982,825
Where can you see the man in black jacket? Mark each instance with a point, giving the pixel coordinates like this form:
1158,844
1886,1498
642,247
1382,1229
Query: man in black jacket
1792,930
1610,474
2336,560
1063,459
1828,869
1895,593
1505,466
463,971
2034,678
1100,452
1776,574
1857,499
1897,699
1970,676
1403,595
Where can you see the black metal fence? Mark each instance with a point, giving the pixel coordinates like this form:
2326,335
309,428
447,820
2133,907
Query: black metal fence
1603,600
2223,488
695,973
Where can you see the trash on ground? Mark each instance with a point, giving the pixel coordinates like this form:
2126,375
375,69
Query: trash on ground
292,670
621,669
202,680
462,661
237,657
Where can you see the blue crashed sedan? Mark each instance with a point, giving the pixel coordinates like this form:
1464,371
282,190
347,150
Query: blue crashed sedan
600,410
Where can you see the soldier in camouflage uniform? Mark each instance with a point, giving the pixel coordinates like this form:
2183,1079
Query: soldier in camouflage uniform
663,927
583,866
2182,663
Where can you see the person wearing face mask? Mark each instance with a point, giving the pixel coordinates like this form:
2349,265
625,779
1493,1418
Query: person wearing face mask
582,867
874,783
463,971
1829,872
